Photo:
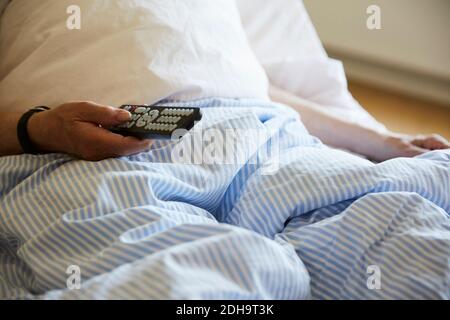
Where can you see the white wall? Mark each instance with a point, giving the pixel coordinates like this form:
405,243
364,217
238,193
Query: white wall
415,36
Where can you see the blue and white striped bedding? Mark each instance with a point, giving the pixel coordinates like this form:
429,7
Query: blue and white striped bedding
146,227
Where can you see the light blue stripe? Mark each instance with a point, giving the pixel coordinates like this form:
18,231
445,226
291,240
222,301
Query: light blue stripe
145,227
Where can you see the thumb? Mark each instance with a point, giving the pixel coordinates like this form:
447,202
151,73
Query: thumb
105,116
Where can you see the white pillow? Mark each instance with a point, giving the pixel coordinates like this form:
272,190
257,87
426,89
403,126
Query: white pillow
286,44
127,51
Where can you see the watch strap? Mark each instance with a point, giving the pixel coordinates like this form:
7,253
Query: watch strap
22,130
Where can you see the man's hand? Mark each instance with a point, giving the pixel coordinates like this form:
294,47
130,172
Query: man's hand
80,129
394,145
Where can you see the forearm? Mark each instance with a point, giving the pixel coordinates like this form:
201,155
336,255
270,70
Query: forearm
9,144
332,130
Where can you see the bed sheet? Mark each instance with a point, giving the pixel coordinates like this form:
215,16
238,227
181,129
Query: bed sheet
291,219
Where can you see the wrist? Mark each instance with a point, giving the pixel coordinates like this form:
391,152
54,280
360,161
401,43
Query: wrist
38,128
371,143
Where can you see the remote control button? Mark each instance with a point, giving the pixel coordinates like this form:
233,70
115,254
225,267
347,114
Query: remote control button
141,122
168,111
135,116
162,119
169,119
151,115
154,114
141,110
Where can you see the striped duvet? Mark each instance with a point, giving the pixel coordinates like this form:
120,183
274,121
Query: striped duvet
307,222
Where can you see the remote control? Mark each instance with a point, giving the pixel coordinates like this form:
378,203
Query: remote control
157,122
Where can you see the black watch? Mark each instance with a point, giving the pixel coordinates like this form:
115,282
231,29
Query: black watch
22,130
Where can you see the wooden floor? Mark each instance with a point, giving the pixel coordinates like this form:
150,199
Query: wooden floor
402,113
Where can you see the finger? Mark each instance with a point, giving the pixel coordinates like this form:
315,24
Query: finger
105,116
433,142
105,144
436,142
